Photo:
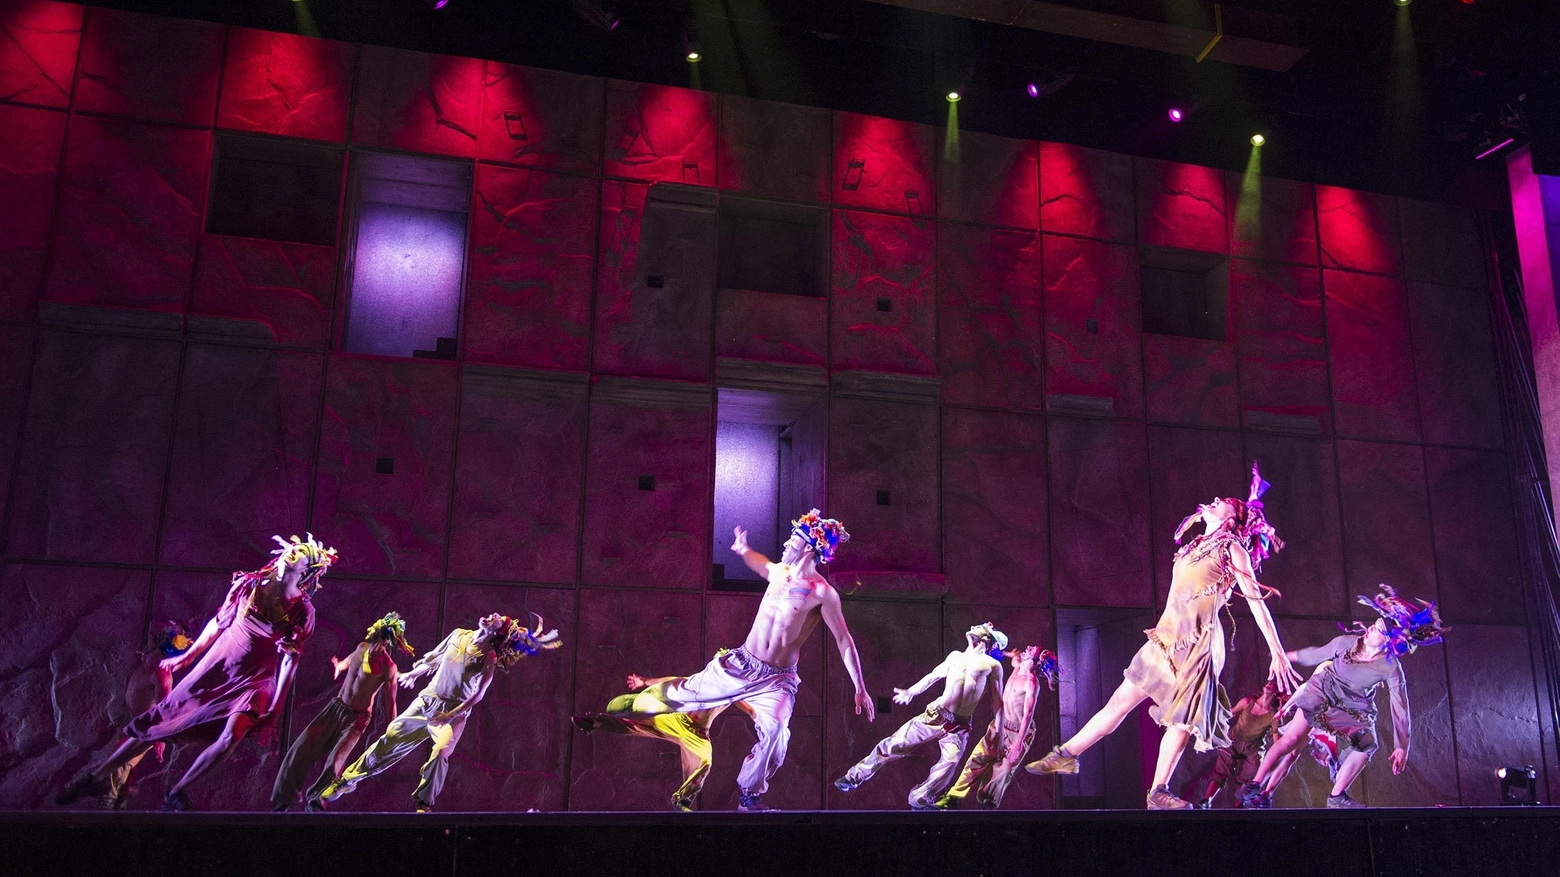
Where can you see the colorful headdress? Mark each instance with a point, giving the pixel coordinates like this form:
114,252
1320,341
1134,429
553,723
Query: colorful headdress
823,535
998,639
516,641
174,639
1049,668
1249,525
1409,626
319,557
392,629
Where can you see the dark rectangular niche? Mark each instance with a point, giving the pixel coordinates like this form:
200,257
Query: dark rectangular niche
274,189
1185,293
772,247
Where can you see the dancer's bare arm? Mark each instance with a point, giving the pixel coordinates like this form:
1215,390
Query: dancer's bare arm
208,635
756,562
834,617
425,665
903,696
640,683
1279,670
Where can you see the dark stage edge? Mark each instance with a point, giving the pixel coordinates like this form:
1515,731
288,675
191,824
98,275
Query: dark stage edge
1312,843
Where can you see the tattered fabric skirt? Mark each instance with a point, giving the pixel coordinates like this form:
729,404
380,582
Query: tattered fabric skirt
1184,686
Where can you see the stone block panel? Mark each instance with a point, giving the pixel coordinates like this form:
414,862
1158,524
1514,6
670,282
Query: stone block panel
1386,520
1086,192
288,289
1370,349
991,180
1454,366
286,84
1098,496
773,150
1303,506
1093,321
883,465
386,414
1181,206
884,164
519,470
243,453
149,67
16,347
1271,219
38,51
532,260
994,508
29,171
772,327
1494,706
541,118
991,348
659,134
1190,380
1186,468
1431,778
417,102
83,491
1441,244
1358,230
1476,552
883,307
104,255
1281,342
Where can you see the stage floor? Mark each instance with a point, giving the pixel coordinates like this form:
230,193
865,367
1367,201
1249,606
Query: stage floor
1306,843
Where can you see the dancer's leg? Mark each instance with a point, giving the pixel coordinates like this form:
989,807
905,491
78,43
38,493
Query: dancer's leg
1121,704
1171,746
1352,764
1292,736
237,726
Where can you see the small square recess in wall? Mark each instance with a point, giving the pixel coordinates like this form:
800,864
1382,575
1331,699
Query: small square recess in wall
647,482
384,466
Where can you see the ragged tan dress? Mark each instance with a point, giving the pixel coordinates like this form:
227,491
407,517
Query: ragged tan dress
1179,666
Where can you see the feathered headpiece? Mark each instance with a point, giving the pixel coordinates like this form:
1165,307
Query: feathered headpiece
1049,667
1249,525
823,535
515,641
997,638
392,629
319,557
1409,626
174,639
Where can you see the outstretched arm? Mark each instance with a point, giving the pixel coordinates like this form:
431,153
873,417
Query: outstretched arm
903,696
1280,670
1402,724
424,665
756,562
834,617
208,635
466,705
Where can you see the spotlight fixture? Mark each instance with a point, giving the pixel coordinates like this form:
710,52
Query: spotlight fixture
1512,778
1046,84
1401,2
1176,115
591,11
953,97
691,48
1033,89
437,4
1258,140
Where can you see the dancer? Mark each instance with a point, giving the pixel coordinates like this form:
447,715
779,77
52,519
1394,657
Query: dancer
1178,668
339,726
147,684
760,675
946,720
1252,723
690,732
244,661
989,769
462,666
1340,697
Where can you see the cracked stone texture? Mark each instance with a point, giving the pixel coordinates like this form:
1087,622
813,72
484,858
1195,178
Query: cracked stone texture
105,252
38,44
288,288
1358,230
149,67
1441,243
513,754
282,83
770,326
652,633
16,345
1371,353
417,102
243,453
989,327
344,609
84,492
991,180
560,118
529,272
647,538
897,170
890,446
1181,206
1386,520
1086,192
1454,363
29,169
1494,707
1475,551
1086,280
659,134
899,642
993,502
69,638
884,257
1098,479
1303,506
519,467
774,150
1274,221
1186,467
1190,380
1431,776
376,407
1280,340
653,332
1024,627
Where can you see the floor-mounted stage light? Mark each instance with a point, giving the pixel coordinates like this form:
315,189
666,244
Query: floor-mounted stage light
1513,778
691,48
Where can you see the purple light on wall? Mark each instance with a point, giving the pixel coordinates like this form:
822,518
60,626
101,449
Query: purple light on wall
747,488
406,279
1176,115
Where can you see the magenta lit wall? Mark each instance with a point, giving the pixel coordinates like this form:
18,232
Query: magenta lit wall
174,397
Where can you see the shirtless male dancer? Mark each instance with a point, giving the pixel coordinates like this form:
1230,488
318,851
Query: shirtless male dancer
946,719
760,675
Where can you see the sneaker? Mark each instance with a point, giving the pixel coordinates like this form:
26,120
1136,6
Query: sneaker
333,791
1204,804
947,802
1249,795
177,802
1343,802
1054,761
683,805
314,805
1162,799
1264,801
81,787
922,808
751,803
846,784
422,807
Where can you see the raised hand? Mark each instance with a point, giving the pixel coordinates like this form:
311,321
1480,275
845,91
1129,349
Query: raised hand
903,696
1283,673
740,544
637,682
865,703
1399,761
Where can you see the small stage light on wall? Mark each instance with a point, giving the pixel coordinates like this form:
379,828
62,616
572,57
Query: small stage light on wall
691,49
1401,2
1258,140
953,97
437,4
1046,84
1176,115
1513,778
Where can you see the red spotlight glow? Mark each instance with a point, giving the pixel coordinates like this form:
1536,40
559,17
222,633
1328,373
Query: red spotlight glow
1176,115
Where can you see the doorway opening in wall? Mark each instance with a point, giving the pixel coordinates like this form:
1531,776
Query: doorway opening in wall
766,246
274,189
1184,293
1094,645
407,260
769,456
